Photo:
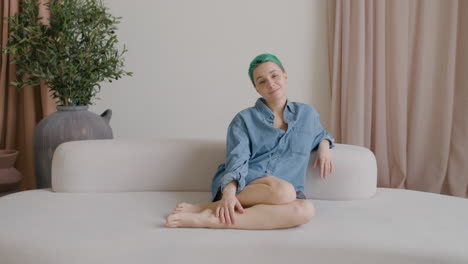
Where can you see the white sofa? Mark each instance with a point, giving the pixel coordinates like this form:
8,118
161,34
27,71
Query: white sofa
109,200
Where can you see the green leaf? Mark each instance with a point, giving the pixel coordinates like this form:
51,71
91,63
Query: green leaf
73,55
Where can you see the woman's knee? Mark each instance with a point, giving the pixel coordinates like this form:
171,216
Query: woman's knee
304,211
282,192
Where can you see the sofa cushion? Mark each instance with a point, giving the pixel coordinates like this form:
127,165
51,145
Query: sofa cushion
135,165
394,226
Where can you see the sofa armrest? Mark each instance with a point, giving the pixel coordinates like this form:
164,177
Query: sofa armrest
354,176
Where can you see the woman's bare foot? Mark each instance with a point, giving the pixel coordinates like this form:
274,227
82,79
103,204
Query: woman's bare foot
205,218
194,208
188,208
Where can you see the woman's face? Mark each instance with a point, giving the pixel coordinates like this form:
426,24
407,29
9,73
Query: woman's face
270,81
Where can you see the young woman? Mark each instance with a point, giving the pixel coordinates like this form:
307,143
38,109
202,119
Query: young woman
261,184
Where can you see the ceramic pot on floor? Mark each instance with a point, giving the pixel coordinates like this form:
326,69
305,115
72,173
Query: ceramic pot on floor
10,178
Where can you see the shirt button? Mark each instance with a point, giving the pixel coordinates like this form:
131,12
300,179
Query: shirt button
275,157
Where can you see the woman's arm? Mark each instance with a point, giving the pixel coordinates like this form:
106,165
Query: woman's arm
237,155
325,142
237,164
324,158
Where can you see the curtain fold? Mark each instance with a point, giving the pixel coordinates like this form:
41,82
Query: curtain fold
20,111
400,88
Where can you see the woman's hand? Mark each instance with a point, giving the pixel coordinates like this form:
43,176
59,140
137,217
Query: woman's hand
227,205
324,159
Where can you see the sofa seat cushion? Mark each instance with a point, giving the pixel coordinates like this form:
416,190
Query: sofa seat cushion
395,225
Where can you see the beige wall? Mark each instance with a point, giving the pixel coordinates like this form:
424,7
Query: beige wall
190,61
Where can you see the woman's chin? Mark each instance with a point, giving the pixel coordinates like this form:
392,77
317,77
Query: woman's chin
276,97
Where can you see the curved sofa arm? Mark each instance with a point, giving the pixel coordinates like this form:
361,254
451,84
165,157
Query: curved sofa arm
354,176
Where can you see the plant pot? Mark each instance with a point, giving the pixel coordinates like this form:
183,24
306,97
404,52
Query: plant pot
9,176
69,123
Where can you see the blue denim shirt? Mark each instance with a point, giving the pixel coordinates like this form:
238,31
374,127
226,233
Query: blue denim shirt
255,148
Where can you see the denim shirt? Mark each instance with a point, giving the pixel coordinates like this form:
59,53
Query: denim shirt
255,148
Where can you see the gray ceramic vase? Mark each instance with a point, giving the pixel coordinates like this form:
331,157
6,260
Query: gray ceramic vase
69,123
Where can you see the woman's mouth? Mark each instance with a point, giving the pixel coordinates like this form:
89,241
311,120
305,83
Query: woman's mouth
274,91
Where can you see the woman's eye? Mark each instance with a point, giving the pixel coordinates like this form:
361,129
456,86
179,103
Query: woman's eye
274,76
261,82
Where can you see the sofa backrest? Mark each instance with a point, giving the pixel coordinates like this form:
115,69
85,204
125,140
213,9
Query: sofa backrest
189,165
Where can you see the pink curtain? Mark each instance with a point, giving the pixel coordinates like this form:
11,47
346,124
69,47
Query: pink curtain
399,77
20,111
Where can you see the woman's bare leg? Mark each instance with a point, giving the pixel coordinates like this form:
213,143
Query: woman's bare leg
259,216
265,190
269,203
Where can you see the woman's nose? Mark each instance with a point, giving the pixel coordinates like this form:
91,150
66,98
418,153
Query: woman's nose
271,84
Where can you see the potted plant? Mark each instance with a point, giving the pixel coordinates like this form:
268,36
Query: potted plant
72,54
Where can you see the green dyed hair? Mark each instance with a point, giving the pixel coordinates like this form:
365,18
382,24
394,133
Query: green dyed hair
262,58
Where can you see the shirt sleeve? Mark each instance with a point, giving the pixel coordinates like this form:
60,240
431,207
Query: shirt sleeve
237,154
321,132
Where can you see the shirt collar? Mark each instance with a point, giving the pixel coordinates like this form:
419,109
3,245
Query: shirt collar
263,108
